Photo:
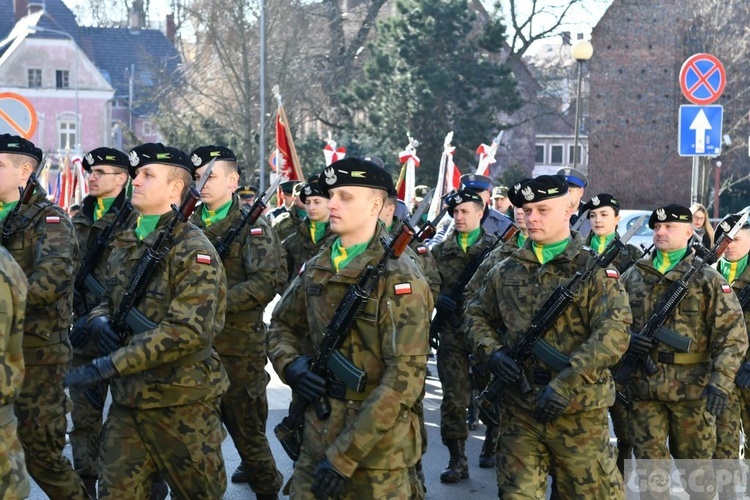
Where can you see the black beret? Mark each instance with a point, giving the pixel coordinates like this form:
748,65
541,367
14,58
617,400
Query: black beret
287,187
204,154
476,182
17,145
247,191
462,196
311,188
514,189
105,156
149,153
602,200
574,177
540,188
376,160
355,172
727,223
670,213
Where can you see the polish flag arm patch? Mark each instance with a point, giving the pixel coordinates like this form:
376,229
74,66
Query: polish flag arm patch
52,219
203,258
421,250
726,288
256,231
402,288
612,273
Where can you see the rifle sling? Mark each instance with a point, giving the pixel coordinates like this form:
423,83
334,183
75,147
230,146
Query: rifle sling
22,220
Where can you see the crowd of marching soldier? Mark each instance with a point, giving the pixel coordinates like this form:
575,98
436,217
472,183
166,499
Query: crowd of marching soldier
545,322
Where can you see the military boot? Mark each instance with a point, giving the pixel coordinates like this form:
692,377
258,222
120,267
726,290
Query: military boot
458,465
487,456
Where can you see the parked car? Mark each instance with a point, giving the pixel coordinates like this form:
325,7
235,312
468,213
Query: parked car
643,238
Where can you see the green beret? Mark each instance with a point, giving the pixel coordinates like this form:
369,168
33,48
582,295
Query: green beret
17,145
157,153
462,196
105,156
602,200
355,172
670,213
537,189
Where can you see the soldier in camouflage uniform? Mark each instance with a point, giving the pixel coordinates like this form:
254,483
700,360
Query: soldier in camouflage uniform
108,176
165,381
681,400
256,271
14,480
42,241
563,419
367,445
311,233
453,255
286,222
604,215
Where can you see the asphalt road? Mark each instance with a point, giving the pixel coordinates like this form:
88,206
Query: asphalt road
480,485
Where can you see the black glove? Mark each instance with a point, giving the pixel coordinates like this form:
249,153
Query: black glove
504,367
549,405
639,345
716,401
106,338
79,334
303,382
99,370
446,305
743,376
328,480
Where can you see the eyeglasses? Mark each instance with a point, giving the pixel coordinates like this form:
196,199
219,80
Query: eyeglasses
96,174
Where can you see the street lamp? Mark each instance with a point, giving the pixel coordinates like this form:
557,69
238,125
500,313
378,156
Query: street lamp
717,185
581,51
39,29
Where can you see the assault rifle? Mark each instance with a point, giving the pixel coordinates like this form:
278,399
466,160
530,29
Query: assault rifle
541,322
127,315
256,210
654,328
327,358
427,230
25,197
85,280
457,290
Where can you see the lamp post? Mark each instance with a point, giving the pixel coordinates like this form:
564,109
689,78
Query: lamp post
581,51
39,29
717,175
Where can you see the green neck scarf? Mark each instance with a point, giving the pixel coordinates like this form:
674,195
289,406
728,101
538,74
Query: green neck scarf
599,244
545,253
520,239
210,217
317,230
102,206
665,261
5,208
465,240
145,225
390,228
730,270
340,256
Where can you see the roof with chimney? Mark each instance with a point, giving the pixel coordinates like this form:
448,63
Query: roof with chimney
146,54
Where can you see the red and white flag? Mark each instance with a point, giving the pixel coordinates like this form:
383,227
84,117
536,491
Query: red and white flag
410,161
332,153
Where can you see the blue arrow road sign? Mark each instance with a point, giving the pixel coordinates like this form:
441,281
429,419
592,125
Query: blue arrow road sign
699,131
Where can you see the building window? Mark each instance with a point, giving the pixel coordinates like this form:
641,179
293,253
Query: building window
35,78
66,132
577,161
539,153
148,128
556,154
62,79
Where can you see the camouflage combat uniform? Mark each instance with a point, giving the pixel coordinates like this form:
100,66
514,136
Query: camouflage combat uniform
44,245
453,355
728,428
593,333
300,248
255,271
14,480
372,437
165,415
670,403
87,420
285,224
